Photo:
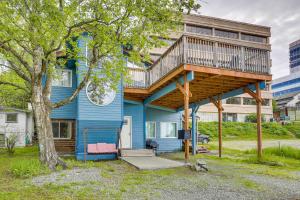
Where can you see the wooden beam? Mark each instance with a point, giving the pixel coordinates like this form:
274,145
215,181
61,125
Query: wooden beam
226,72
169,88
182,89
218,104
186,117
225,95
258,118
253,94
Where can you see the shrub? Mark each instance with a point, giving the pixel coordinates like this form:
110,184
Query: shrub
253,118
27,168
11,141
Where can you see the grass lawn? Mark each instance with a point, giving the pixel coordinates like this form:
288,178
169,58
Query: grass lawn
122,181
247,131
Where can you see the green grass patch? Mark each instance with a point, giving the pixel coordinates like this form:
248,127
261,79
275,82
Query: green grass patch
241,130
27,168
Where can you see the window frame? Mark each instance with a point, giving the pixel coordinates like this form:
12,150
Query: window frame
147,136
231,98
70,123
60,80
176,130
11,122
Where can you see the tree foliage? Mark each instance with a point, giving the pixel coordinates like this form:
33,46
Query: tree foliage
33,32
10,96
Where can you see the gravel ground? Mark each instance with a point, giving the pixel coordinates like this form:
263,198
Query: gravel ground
220,182
75,175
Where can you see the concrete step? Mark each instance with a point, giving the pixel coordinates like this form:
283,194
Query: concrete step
137,153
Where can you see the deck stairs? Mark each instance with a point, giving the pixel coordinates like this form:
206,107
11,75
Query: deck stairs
137,153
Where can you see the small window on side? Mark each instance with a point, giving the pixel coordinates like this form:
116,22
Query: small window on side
11,118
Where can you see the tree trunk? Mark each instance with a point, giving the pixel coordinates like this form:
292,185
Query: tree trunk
42,111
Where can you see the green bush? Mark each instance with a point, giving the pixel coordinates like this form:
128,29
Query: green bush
253,118
27,168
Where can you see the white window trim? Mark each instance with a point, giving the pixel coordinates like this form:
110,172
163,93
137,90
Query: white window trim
71,80
59,121
11,122
175,130
154,130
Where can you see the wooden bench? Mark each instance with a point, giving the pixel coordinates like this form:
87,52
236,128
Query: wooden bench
101,148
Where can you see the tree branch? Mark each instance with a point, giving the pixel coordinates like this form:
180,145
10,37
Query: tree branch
17,71
17,56
76,92
14,85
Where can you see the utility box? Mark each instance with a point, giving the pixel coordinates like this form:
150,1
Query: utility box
184,135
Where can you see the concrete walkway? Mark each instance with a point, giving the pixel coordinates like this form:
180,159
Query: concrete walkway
151,163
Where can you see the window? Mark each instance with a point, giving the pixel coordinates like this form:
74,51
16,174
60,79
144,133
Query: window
254,38
168,130
11,118
151,129
62,129
63,79
266,102
249,101
198,29
226,34
229,117
234,100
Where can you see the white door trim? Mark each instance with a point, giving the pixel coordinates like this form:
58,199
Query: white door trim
131,122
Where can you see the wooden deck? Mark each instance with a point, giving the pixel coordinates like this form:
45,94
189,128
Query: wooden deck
218,67
207,82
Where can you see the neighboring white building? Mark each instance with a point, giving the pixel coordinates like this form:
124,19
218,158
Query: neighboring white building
237,108
16,121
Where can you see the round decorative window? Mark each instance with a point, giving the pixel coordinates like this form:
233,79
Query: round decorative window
100,96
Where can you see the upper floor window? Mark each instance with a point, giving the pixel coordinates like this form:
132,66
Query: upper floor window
12,118
234,100
266,102
226,34
63,78
198,29
249,101
254,38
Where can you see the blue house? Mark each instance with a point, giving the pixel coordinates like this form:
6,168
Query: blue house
204,68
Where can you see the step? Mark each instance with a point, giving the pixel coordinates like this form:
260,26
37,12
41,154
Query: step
137,153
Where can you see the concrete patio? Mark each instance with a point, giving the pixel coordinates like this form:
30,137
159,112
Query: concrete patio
152,163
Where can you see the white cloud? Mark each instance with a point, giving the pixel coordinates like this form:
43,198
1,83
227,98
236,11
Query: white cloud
283,16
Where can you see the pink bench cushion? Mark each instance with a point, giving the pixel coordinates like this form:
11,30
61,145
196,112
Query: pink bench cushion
92,148
102,148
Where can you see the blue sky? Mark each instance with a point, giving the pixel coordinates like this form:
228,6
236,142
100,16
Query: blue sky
283,16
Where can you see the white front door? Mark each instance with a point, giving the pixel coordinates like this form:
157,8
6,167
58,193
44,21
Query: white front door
126,133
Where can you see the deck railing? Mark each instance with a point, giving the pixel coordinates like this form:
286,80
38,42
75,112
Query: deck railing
203,52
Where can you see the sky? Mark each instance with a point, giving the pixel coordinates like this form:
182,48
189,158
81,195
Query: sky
283,16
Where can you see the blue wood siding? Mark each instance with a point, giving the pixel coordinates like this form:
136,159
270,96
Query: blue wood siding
68,111
89,111
136,111
107,119
98,132
158,116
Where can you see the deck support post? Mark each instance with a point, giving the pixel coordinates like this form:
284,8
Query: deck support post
194,131
258,117
257,96
186,116
218,104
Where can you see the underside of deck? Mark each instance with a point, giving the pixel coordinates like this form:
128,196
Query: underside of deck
207,82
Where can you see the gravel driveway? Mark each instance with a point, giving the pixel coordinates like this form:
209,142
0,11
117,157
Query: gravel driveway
228,181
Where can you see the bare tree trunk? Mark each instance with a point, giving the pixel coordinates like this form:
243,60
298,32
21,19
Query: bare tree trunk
42,111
